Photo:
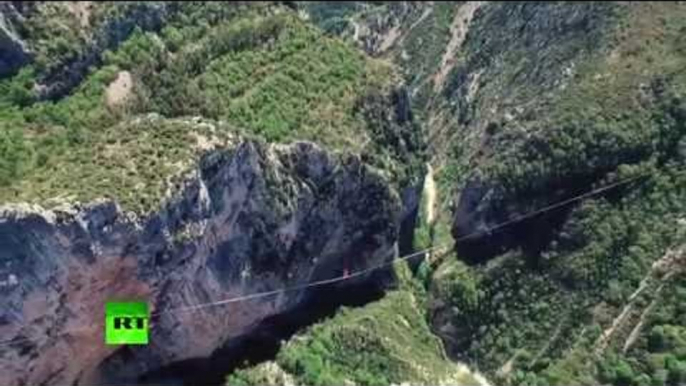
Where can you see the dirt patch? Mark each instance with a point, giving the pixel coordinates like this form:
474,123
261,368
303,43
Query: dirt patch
205,143
119,90
389,39
672,263
633,336
458,32
507,367
82,11
427,11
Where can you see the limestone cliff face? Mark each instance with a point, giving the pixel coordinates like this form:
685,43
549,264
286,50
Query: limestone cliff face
13,51
250,219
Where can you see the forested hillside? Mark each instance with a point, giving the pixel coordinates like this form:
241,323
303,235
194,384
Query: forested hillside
255,69
525,106
387,342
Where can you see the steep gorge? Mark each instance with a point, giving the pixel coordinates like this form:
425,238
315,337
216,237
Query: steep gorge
523,106
540,103
253,219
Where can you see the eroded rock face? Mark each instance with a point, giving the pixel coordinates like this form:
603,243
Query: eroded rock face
473,218
380,31
13,50
252,219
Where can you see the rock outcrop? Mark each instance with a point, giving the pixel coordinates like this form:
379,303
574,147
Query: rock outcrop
250,219
380,31
13,50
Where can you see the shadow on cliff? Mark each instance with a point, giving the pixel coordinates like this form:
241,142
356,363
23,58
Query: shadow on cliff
264,341
486,228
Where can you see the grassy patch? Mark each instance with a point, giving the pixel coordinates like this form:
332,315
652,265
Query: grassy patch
133,162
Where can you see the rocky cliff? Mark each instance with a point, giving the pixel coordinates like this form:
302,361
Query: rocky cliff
13,51
250,219
521,106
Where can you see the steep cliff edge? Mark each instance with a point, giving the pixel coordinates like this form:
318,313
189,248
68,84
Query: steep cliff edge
142,179
249,219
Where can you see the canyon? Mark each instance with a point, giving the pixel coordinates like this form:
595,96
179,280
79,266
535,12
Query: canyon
250,219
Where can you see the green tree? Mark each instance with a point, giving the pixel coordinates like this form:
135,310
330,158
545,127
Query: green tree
677,372
656,339
18,90
13,155
624,374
